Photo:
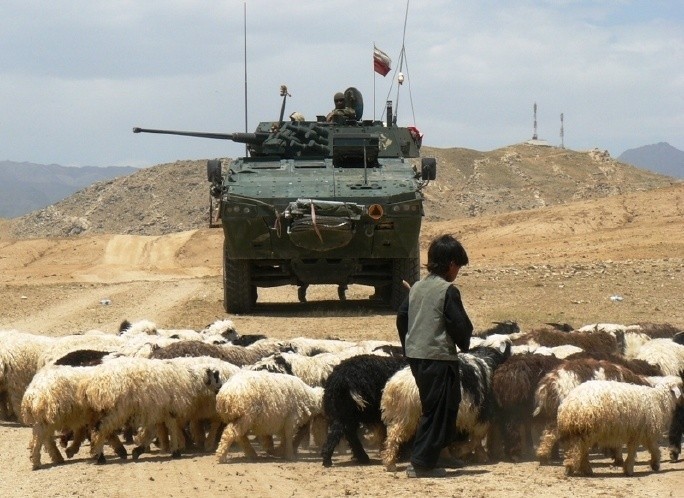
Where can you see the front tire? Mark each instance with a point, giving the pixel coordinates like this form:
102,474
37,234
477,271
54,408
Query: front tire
403,269
239,295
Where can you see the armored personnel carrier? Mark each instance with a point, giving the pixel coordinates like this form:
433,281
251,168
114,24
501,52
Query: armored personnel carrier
320,202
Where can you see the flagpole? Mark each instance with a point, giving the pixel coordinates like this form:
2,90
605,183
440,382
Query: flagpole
374,78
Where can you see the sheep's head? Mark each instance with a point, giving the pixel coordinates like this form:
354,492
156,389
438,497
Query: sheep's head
225,328
505,327
212,379
275,363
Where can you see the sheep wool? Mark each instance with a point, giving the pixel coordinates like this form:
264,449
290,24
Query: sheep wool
610,414
266,404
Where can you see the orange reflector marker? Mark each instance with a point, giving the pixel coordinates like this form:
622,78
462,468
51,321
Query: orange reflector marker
375,211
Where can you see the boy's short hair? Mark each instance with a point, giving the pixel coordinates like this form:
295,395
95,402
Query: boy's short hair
444,250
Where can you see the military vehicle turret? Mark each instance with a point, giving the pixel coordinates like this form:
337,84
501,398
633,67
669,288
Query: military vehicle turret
318,202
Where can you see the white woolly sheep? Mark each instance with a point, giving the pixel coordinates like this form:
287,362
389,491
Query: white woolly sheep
610,414
555,386
265,404
20,354
665,353
51,403
203,409
150,392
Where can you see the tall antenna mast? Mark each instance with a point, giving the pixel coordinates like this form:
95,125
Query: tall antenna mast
562,133
244,28
534,135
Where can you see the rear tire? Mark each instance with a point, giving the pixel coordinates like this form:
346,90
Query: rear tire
407,269
239,295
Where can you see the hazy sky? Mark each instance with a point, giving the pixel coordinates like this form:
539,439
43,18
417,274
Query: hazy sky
77,75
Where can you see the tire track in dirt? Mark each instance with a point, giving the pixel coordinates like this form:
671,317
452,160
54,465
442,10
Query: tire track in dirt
85,308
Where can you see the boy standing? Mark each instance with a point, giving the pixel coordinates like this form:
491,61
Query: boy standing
431,323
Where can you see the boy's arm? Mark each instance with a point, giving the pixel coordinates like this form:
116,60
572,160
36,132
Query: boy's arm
402,322
458,325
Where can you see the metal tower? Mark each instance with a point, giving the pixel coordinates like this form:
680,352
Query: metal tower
562,134
534,136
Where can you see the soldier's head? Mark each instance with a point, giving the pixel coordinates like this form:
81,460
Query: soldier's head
339,100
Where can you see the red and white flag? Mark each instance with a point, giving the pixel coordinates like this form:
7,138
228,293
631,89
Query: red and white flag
381,61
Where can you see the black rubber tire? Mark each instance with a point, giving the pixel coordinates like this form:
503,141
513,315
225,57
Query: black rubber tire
407,269
239,295
214,170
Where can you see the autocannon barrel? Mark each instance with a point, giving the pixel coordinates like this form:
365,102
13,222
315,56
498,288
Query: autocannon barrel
244,138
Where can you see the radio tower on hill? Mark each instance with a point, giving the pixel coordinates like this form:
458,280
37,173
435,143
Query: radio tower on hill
534,135
562,133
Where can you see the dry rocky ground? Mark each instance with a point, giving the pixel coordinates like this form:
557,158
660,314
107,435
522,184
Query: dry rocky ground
559,263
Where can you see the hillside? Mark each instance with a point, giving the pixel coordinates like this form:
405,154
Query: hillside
519,177
174,197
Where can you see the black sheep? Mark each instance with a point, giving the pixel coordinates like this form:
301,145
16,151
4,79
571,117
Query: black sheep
352,397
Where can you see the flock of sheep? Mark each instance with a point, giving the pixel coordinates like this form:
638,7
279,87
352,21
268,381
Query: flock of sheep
525,395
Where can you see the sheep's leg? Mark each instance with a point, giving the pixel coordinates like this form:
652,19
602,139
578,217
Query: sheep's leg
199,437
117,446
64,438
247,447
176,437
570,462
390,451
210,442
475,445
584,465
628,467
654,450
143,439
266,442
51,446
163,438
319,430
302,436
527,446
101,432
4,412
495,440
286,442
616,453
335,433
79,436
227,439
36,444
547,444
351,432
674,436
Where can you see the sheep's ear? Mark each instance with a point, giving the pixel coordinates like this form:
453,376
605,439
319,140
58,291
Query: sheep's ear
503,345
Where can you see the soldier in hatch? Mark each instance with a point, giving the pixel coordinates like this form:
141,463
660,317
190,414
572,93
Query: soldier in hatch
341,112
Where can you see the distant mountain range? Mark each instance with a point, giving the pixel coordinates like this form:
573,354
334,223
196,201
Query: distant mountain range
25,187
661,158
